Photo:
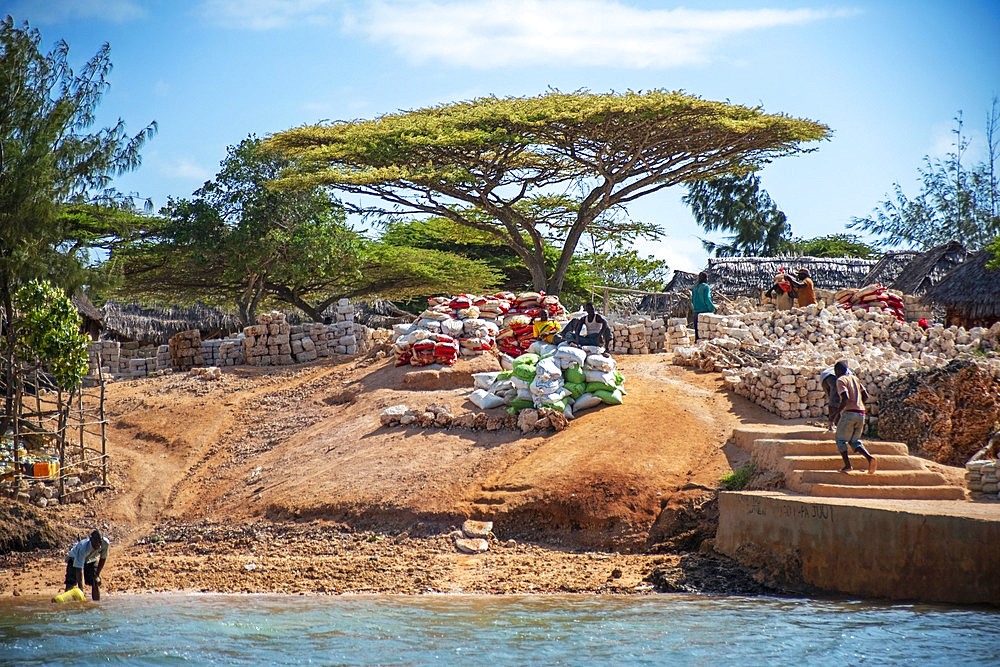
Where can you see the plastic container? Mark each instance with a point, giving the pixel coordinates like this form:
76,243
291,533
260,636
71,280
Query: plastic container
72,595
45,469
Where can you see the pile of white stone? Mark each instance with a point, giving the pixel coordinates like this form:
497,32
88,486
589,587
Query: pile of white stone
795,346
185,350
638,334
678,333
344,339
981,477
222,351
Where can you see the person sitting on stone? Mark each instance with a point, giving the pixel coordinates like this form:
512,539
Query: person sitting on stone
589,329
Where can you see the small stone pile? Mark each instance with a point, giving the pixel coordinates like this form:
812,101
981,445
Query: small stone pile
222,351
774,358
342,338
678,333
981,478
638,335
440,416
185,350
268,343
474,537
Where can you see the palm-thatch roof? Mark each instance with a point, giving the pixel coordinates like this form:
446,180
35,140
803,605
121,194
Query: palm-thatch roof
156,324
86,309
680,281
929,267
970,291
889,267
749,276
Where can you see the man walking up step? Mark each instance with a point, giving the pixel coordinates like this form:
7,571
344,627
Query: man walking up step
850,416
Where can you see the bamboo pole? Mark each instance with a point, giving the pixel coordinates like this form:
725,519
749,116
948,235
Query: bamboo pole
104,423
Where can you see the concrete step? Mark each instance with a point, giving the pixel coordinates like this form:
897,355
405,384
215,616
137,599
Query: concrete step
744,436
941,492
767,453
799,478
834,463
820,447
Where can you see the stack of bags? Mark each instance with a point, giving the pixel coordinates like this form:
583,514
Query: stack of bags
517,334
421,348
872,297
564,378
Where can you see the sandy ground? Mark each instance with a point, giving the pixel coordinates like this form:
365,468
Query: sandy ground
283,480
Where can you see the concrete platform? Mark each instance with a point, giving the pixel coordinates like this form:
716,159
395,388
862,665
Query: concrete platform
924,550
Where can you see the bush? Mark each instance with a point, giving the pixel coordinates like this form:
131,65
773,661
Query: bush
738,479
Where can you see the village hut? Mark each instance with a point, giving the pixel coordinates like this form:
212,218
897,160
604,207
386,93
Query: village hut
680,281
154,325
925,270
889,267
749,276
93,319
674,301
969,293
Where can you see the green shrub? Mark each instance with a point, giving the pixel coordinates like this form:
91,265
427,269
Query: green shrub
739,478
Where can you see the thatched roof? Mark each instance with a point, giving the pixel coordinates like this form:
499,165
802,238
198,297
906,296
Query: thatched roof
929,267
970,289
681,280
86,309
749,276
889,267
155,324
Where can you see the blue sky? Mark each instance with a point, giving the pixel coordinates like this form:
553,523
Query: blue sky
887,77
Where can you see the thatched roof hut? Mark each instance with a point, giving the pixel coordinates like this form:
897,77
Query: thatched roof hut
92,317
155,325
889,267
929,267
749,276
969,293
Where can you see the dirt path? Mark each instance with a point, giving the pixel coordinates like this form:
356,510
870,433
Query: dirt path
283,479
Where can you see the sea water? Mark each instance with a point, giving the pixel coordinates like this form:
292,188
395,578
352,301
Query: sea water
177,629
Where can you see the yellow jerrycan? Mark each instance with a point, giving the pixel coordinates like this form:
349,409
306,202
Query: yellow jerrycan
72,595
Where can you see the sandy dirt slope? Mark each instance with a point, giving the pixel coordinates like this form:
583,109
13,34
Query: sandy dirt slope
196,459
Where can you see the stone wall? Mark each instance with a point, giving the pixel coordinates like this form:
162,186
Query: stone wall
638,334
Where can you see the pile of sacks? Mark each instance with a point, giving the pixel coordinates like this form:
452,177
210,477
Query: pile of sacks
518,332
871,297
472,325
563,378
774,358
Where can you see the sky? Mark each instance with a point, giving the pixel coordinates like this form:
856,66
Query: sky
889,78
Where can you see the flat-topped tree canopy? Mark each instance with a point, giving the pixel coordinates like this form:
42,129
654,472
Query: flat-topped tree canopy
489,163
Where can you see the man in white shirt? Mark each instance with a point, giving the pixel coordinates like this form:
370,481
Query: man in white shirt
85,561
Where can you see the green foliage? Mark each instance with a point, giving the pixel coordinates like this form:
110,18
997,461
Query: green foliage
833,245
493,164
625,269
48,331
736,203
994,248
238,242
738,479
50,160
955,201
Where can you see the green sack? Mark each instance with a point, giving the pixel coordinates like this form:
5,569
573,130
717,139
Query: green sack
519,404
594,387
576,389
575,374
504,375
525,372
559,405
526,358
610,397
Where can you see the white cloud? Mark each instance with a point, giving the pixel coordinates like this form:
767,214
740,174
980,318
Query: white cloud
186,169
60,11
577,32
268,14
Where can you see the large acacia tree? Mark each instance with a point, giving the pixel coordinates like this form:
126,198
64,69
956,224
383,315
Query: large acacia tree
493,163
